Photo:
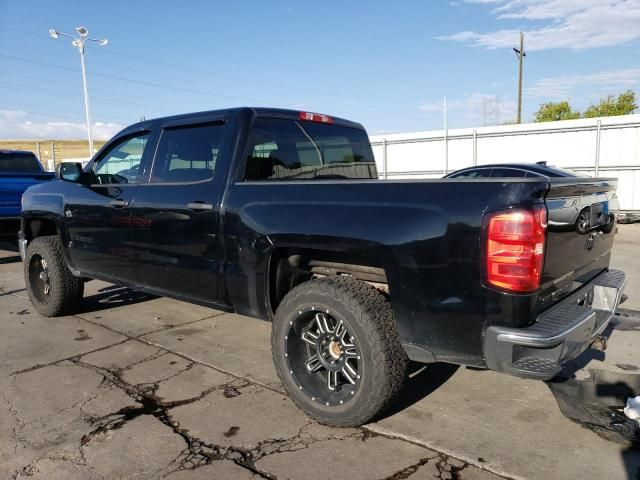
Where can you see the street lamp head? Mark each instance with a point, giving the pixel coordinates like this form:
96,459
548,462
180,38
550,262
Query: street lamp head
103,42
53,33
82,31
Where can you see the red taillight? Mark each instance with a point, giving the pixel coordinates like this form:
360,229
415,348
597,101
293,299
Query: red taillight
315,117
515,248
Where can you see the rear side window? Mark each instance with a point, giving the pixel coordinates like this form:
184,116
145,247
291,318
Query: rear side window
282,149
187,154
478,173
508,173
19,162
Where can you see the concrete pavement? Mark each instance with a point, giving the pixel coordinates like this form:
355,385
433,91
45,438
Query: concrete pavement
136,386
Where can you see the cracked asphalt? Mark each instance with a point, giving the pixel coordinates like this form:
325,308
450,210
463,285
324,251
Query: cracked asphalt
136,386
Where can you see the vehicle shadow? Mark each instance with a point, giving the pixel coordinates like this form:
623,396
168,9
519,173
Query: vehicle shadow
114,296
594,396
10,259
8,246
422,380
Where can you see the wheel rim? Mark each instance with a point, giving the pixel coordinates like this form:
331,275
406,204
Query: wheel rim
40,278
583,222
323,357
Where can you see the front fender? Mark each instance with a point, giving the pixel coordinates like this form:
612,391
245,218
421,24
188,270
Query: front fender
46,202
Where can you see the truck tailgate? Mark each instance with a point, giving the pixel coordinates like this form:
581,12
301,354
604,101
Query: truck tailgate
580,233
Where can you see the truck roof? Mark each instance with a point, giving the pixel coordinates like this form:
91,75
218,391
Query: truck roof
16,152
254,111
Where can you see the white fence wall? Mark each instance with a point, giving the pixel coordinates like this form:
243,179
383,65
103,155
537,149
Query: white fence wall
608,146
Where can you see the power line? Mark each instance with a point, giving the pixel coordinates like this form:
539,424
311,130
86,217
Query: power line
56,93
160,85
209,73
129,80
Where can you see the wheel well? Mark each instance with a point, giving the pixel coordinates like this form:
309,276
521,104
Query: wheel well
292,266
39,227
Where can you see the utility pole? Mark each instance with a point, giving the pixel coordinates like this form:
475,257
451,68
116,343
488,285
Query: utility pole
446,136
520,53
79,43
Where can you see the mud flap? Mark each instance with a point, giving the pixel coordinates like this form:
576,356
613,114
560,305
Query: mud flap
592,389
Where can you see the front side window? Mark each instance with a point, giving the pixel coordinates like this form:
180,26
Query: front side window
282,149
121,162
187,154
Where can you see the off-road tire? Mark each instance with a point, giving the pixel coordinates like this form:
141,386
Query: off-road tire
66,290
369,316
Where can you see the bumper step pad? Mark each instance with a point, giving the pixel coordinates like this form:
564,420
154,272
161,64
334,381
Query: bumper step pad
559,334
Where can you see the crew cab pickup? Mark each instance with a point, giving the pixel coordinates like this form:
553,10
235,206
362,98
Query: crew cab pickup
280,215
18,171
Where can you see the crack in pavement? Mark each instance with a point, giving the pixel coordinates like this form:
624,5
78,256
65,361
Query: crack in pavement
55,362
32,468
137,337
446,471
18,422
197,452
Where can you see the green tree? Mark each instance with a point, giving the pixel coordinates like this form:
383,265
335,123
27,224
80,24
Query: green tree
553,111
624,104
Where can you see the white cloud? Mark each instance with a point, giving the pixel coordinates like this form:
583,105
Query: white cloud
599,83
573,24
475,108
17,124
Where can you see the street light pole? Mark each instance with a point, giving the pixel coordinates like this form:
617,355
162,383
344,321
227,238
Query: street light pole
86,100
79,43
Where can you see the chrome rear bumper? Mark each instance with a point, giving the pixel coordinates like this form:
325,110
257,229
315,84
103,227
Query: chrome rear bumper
559,334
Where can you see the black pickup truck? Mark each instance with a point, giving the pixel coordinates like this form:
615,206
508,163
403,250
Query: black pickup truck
280,215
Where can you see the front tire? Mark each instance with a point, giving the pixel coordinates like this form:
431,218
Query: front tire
52,288
337,351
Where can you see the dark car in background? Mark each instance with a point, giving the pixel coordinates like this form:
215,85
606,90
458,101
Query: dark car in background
512,170
19,170
570,215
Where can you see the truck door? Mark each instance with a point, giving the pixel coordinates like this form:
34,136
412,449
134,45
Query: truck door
175,217
98,215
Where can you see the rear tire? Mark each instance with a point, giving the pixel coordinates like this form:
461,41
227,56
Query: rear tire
52,288
337,351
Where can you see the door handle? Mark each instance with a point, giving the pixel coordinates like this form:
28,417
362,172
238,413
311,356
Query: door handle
200,206
118,202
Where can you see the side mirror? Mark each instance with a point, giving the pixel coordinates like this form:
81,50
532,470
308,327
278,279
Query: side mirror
69,171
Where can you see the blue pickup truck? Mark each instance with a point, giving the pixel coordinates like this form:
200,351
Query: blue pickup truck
18,171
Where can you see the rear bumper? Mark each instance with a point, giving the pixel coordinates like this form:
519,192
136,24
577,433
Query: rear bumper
559,334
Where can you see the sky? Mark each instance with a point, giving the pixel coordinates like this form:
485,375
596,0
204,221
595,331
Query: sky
387,65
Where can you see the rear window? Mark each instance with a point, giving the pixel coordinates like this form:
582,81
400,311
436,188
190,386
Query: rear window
559,172
282,149
19,162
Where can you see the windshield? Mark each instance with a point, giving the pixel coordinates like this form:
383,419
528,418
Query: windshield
282,149
19,162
